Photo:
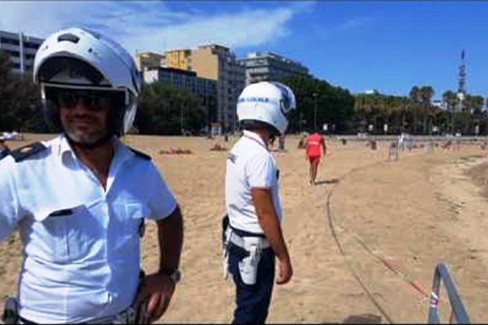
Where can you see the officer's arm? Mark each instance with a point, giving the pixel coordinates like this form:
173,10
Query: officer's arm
170,236
158,288
9,210
269,222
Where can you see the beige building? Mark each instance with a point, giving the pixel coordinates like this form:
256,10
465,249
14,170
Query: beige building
149,60
219,63
179,59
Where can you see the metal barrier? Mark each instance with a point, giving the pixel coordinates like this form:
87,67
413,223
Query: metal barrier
441,273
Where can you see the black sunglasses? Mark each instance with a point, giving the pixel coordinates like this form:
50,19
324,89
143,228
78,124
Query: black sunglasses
94,100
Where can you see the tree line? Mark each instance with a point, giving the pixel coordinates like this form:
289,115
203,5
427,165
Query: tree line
167,110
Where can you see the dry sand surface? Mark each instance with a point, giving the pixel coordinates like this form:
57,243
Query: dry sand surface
364,241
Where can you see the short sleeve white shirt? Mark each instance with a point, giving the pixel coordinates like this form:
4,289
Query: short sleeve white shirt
249,165
81,241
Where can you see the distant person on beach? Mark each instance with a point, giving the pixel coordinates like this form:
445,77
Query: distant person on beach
281,143
315,150
405,142
302,142
401,142
252,227
80,200
4,148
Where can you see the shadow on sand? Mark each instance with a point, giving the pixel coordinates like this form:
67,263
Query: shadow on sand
362,319
327,181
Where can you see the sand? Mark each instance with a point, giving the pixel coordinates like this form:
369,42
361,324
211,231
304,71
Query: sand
364,241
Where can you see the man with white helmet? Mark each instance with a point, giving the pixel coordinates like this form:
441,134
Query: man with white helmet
253,234
79,200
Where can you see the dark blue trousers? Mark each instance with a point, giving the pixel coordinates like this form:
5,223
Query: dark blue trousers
252,301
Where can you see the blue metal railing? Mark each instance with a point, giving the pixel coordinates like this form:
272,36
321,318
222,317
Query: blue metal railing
458,312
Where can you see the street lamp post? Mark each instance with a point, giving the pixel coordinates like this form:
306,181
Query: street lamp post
315,111
182,119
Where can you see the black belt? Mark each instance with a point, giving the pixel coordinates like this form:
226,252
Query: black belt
244,233
26,321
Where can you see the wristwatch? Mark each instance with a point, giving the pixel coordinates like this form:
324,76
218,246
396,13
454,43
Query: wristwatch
174,275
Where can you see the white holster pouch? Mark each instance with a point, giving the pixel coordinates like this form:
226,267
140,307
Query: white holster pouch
225,254
248,266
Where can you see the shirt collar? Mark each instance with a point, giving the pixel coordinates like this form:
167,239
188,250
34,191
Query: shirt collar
64,148
255,137
121,152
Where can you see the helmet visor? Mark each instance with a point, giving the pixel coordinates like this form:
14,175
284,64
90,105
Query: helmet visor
287,102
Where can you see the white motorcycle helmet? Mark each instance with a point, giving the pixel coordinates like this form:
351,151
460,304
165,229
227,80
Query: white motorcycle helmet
77,58
266,102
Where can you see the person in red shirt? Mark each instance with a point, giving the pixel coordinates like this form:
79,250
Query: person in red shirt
314,150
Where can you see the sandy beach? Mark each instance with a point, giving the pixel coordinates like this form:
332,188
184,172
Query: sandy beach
364,241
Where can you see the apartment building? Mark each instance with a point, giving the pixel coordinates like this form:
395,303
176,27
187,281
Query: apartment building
268,66
21,48
205,89
219,63
179,59
149,60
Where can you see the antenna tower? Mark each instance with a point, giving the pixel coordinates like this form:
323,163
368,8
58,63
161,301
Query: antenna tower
462,81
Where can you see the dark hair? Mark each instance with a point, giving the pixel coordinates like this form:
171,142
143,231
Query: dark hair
255,124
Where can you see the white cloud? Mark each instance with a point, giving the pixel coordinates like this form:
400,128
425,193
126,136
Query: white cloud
350,24
151,25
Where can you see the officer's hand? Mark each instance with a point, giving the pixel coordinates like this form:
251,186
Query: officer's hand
285,271
157,289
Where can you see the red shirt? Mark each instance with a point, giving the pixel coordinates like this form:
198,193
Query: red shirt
314,144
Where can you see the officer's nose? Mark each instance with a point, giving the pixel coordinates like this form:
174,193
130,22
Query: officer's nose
82,104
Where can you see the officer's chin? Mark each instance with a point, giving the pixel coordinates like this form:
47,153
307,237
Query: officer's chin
87,140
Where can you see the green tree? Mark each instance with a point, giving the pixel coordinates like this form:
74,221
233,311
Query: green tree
331,105
19,100
167,110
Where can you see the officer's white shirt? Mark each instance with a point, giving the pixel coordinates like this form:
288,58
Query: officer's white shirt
249,165
84,264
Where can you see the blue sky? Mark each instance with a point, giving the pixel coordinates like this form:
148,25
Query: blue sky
358,45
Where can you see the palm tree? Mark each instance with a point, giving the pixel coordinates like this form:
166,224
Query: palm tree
426,93
450,98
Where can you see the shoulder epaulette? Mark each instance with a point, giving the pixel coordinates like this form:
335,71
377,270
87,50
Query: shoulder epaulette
4,153
140,154
27,151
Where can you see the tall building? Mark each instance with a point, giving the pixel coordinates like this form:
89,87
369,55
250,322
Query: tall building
219,63
21,48
205,89
270,66
149,60
179,59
